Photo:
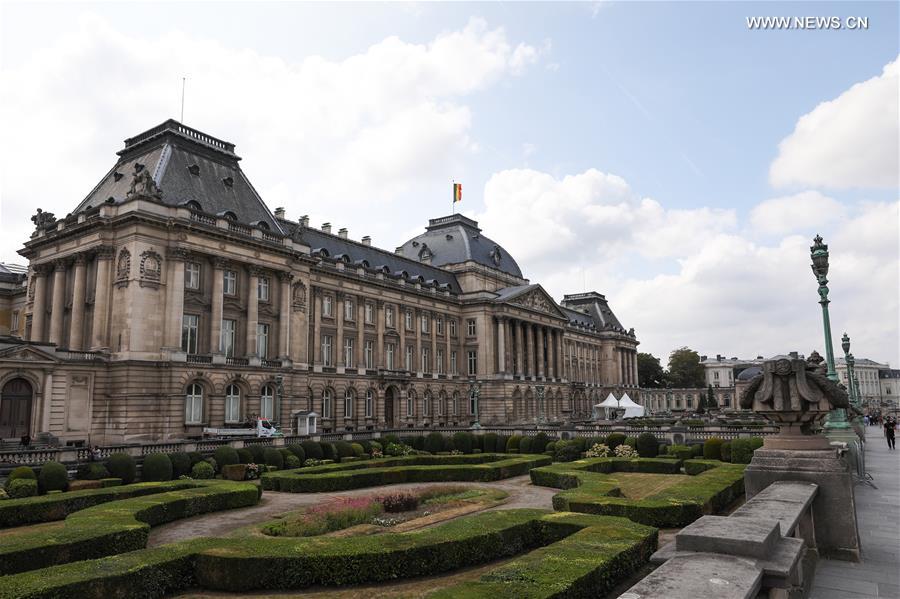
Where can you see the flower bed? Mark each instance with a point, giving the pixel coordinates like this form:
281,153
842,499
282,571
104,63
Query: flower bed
340,477
609,549
711,488
118,527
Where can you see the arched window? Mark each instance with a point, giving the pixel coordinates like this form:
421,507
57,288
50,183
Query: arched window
232,403
267,402
195,205
326,403
426,404
456,403
370,403
229,215
442,404
348,403
193,404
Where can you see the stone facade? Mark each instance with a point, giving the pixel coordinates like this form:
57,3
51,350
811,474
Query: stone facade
173,299
684,400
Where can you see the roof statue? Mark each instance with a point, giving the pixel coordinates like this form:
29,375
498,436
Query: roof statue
43,219
142,184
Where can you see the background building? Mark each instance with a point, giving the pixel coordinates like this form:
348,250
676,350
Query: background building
171,298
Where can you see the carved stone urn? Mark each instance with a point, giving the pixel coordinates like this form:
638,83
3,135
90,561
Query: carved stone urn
796,395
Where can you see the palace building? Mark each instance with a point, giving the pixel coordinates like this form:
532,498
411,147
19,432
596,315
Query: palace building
171,298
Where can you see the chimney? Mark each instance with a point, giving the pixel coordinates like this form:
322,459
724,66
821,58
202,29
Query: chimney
326,227
367,240
703,358
718,358
760,358
399,250
342,233
794,355
304,221
279,212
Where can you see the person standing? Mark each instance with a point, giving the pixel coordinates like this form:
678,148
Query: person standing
889,433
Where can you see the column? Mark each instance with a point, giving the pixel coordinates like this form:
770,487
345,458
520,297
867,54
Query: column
417,353
284,316
400,354
379,332
315,355
447,351
433,328
361,332
501,344
529,348
520,354
174,299
540,351
215,325
339,301
252,311
101,301
551,356
39,304
58,302
637,382
76,332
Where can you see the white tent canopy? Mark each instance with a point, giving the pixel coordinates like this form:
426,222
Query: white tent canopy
632,410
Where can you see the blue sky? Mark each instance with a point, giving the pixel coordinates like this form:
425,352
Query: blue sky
679,100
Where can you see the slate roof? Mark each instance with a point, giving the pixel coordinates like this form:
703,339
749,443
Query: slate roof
12,273
455,239
376,258
593,308
169,151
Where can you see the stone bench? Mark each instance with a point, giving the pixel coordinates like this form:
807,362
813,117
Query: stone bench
766,545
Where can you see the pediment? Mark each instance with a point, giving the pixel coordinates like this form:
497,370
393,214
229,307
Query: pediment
26,354
535,299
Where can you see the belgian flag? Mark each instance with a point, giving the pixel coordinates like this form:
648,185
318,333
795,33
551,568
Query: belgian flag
457,192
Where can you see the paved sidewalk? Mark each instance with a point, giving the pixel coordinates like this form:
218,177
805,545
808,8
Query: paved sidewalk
878,514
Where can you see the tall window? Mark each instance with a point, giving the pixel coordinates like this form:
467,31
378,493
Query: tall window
193,404
326,350
455,407
470,327
389,316
228,331
426,367
453,366
327,406
348,403
229,286
408,320
439,325
440,361
327,306
472,360
262,289
348,310
452,323
262,341
370,403
14,323
232,403
370,354
192,275
408,362
190,326
267,402
425,320
389,356
369,313
426,404
473,403
441,404
410,400
348,352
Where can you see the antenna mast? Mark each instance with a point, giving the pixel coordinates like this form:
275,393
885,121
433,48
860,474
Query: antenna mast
183,79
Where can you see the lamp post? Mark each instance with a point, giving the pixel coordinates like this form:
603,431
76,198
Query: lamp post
474,395
837,419
539,391
851,375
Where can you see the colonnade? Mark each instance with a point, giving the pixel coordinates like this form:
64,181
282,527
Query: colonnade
528,349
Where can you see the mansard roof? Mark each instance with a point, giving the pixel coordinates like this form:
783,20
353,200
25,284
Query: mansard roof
375,258
456,239
591,310
189,168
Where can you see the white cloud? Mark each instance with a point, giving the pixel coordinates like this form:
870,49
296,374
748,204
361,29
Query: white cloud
850,141
799,211
723,289
331,135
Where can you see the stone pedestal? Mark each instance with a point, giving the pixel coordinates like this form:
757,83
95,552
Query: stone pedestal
834,508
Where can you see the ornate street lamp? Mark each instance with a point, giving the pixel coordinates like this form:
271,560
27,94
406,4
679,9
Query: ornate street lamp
279,394
474,395
539,391
819,254
851,375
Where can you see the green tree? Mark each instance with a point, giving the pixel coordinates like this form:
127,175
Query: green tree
685,370
650,372
711,402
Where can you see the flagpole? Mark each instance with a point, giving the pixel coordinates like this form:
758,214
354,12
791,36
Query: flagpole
453,196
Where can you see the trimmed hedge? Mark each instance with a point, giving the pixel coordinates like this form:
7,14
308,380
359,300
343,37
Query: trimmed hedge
273,457
20,472
587,490
525,445
118,527
463,441
53,477
742,449
480,467
21,488
614,440
256,450
157,467
181,464
203,471
647,445
434,442
726,451
91,471
712,448
589,551
225,455
121,465
312,449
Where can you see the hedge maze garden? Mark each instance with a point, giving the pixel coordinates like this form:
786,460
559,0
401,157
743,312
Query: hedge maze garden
88,537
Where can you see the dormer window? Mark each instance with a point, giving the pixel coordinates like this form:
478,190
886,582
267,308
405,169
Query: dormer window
228,181
424,253
194,205
194,169
263,225
229,215
117,176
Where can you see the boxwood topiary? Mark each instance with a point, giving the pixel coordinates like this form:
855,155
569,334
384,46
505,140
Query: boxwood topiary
463,441
121,465
525,445
434,442
22,487
696,450
490,443
726,451
631,442
647,445
157,467
512,444
539,443
566,451
712,449
344,450
20,472
195,456
257,451
551,446
298,452
226,456
53,477
330,452
741,451
615,439
390,438
581,442
292,461
312,449
181,464
202,470
91,471
245,456
756,442
273,457
682,452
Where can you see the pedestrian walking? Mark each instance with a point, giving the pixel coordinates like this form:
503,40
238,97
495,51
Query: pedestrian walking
890,433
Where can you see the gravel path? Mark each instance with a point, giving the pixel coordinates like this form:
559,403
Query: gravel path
216,524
